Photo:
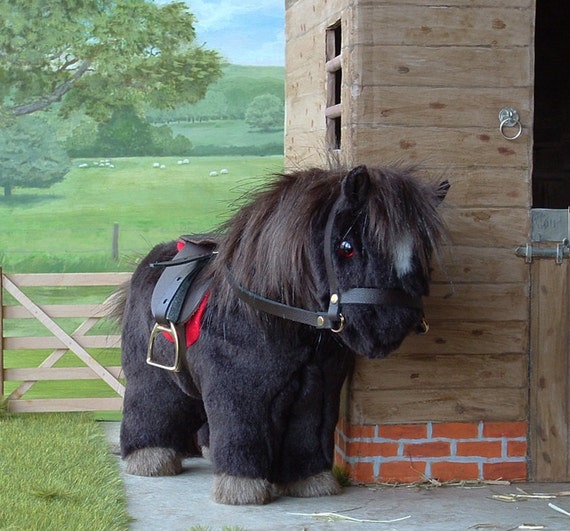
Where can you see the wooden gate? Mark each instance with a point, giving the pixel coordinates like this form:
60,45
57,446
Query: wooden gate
550,345
79,342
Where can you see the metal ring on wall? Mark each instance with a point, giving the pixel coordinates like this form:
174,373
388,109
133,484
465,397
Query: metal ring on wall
509,123
509,117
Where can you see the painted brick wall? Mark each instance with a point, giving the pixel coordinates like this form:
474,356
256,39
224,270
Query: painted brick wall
445,451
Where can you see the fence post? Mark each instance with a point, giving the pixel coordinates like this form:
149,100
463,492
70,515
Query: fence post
115,250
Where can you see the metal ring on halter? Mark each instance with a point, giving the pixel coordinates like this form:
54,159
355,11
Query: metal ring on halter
340,325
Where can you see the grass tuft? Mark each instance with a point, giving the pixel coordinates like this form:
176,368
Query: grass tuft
56,472
342,475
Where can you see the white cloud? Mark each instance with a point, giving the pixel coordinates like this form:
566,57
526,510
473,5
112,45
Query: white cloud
244,32
221,14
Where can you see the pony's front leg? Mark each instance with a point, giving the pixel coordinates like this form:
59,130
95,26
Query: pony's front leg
241,454
308,446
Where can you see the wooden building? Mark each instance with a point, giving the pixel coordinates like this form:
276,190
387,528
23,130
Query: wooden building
477,91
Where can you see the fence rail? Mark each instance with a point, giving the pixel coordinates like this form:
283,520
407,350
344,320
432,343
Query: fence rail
60,342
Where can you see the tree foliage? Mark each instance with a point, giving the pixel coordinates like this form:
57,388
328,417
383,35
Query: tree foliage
228,98
126,134
30,156
265,112
98,55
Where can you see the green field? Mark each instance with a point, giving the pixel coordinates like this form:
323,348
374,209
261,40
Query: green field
69,227
225,133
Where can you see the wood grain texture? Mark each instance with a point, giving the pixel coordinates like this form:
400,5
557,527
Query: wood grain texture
441,405
549,435
423,83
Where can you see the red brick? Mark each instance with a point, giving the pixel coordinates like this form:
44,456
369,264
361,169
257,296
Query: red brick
403,431
340,442
342,425
402,471
456,430
362,472
338,459
479,448
359,431
372,449
505,429
429,449
516,448
448,471
511,471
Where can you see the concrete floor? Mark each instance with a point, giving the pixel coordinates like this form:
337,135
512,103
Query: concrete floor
183,502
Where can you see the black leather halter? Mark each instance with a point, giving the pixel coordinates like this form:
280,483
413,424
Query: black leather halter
332,319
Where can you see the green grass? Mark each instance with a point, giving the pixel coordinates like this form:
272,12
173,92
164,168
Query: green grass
56,473
69,226
225,133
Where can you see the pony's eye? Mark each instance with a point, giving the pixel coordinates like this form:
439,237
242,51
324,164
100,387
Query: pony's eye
345,249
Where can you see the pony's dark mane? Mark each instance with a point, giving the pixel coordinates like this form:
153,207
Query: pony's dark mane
266,244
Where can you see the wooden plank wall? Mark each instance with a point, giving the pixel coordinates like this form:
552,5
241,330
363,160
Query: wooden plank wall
424,82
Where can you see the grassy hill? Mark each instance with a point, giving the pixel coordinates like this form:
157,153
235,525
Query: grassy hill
215,125
69,226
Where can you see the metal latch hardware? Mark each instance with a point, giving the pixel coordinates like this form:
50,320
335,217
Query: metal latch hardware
561,251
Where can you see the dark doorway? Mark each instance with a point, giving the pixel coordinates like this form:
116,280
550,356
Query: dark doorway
551,152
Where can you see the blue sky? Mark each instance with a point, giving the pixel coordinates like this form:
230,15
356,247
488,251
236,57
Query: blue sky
245,32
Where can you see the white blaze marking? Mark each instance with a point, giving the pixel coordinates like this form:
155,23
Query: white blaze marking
403,255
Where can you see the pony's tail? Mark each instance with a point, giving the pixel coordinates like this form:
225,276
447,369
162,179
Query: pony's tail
114,305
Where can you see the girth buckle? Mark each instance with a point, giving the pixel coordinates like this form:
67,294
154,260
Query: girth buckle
157,329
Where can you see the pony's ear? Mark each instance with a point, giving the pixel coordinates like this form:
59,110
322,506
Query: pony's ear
356,185
441,190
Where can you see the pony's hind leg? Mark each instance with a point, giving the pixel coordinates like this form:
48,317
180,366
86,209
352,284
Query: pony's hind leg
159,425
154,462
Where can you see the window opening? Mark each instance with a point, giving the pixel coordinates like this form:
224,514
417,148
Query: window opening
333,67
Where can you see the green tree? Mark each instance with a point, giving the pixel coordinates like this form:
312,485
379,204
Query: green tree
30,156
265,112
99,55
164,143
124,135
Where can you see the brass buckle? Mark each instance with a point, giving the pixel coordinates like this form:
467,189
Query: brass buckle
157,329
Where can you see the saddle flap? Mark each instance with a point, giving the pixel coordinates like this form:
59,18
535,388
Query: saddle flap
178,290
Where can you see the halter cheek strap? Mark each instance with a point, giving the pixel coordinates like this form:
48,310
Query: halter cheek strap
333,318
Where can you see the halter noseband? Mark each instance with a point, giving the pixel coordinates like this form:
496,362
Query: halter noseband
333,318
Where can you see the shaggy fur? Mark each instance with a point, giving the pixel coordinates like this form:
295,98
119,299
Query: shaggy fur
241,491
262,393
322,484
154,462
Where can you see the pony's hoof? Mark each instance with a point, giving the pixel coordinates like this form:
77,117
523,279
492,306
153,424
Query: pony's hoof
232,490
322,484
153,462
205,452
